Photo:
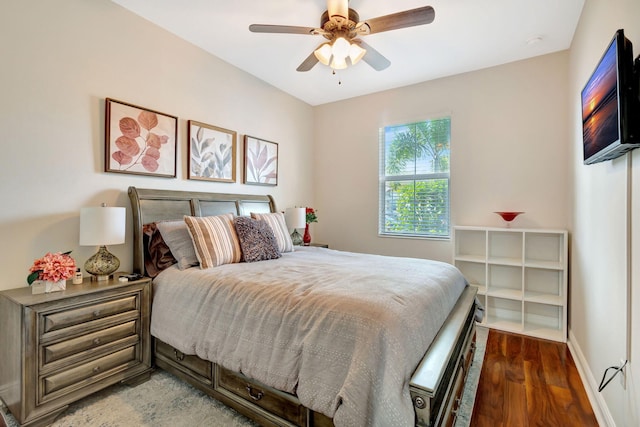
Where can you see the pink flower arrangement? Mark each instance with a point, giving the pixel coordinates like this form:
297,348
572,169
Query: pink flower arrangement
52,267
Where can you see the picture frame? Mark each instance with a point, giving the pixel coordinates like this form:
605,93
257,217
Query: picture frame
139,140
211,152
260,161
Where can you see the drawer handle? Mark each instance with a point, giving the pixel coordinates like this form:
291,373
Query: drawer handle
463,359
256,396
179,355
419,402
96,369
96,313
457,407
96,341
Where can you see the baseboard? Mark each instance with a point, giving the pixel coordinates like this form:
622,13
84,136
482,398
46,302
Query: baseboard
600,408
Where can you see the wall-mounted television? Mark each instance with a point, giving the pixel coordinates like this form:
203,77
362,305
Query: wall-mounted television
610,112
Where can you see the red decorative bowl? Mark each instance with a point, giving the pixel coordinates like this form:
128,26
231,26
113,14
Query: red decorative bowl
509,216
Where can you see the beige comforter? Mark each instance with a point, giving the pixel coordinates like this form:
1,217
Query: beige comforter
342,331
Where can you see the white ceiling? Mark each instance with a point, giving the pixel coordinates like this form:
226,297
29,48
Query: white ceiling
466,35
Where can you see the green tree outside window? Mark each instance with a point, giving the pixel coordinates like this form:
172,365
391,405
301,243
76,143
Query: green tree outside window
414,179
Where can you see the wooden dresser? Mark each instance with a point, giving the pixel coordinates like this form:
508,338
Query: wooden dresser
59,347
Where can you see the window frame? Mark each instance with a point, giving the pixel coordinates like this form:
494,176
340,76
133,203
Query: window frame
417,177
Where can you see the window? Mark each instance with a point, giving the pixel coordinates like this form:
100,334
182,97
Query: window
414,179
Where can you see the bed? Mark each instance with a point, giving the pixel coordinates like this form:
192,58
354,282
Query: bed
314,337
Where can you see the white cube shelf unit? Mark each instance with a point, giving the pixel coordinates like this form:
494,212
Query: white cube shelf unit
521,276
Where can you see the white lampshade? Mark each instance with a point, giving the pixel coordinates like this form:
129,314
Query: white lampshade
338,63
296,217
102,225
340,48
323,53
356,53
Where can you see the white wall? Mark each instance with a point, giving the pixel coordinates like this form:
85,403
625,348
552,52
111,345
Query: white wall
516,146
509,151
604,316
60,59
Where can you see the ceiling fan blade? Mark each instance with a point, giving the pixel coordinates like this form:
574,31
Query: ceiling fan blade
374,58
308,63
408,18
284,29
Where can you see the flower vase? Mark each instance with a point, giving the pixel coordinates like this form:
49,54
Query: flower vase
306,239
46,286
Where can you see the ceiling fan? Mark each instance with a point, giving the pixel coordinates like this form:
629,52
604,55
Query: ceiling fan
341,26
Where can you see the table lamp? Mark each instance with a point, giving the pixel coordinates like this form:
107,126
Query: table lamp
101,226
296,218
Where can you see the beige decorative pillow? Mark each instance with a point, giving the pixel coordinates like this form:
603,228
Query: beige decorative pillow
214,239
279,227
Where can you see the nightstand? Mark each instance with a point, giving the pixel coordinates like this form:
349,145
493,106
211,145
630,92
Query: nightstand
319,245
59,347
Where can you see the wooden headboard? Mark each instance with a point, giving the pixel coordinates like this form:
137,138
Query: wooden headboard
149,205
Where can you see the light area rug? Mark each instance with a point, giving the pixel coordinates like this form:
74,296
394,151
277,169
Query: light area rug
165,401
471,386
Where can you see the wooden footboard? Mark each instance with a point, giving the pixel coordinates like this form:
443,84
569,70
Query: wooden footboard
438,382
436,386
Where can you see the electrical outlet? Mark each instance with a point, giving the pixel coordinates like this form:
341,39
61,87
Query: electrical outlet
623,374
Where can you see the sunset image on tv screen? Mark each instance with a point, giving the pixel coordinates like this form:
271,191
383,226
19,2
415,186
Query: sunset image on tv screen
600,105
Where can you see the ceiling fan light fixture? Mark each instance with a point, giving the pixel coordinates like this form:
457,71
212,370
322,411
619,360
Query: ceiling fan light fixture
323,53
356,53
335,54
341,25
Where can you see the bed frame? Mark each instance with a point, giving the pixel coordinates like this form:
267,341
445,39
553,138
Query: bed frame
436,385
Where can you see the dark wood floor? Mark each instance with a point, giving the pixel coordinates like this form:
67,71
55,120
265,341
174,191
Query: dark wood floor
529,382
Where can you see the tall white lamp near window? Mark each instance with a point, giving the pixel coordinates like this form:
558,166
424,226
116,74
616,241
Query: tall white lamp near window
101,226
295,218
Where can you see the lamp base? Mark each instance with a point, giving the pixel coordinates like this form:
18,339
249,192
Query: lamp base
296,238
102,264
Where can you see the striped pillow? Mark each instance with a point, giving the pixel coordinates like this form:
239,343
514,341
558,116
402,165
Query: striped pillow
214,239
279,227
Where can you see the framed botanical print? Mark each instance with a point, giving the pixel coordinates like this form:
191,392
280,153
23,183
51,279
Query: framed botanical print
139,140
212,152
260,161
